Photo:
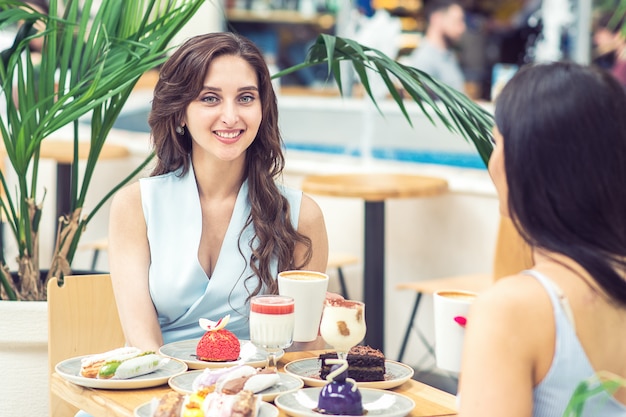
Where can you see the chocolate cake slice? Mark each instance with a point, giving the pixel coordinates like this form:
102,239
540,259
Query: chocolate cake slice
365,364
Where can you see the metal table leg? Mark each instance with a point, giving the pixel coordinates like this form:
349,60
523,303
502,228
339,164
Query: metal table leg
374,274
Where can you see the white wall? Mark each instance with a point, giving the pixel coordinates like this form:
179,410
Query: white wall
209,18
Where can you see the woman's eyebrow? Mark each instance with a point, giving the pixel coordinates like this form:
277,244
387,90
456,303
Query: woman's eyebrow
247,88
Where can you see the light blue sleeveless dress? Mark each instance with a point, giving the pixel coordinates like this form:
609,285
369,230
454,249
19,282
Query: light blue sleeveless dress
180,289
570,366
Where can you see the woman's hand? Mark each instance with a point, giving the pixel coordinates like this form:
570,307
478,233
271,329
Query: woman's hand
318,343
333,296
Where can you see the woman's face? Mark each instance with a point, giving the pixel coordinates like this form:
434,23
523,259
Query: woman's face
225,117
497,172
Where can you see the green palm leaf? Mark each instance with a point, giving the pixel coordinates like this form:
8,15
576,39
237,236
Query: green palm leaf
437,101
602,382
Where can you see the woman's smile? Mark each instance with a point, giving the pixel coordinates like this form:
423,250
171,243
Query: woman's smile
228,136
224,119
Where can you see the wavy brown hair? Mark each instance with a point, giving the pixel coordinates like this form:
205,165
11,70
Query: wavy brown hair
180,81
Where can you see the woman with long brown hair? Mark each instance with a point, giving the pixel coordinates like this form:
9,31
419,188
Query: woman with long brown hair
212,226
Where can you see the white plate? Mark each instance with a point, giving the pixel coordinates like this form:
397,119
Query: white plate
185,350
183,383
265,410
396,374
377,403
70,370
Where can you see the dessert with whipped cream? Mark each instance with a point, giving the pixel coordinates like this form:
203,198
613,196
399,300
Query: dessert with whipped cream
208,404
235,379
225,392
217,344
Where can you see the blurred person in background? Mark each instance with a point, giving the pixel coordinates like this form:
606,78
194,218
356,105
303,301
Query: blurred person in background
436,55
610,46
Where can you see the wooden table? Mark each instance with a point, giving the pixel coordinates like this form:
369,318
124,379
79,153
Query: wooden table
429,401
374,189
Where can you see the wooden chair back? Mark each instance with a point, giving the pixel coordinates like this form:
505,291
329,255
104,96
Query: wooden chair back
82,319
512,253
511,256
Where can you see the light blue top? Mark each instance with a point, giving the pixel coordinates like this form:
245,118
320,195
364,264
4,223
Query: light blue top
180,289
438,63
570,366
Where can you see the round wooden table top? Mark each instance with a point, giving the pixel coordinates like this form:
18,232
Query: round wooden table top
374,186
62,151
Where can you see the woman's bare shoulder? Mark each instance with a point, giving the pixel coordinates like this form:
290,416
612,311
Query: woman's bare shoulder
519,286
310,211
127,199
517,297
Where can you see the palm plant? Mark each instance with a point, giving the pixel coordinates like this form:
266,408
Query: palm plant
99,59
437,101
91,59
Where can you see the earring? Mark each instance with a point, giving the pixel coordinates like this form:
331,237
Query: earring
180,130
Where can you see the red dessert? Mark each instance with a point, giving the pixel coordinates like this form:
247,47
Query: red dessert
217,344
272,305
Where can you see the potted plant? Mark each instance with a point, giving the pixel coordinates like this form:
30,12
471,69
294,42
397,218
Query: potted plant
92,57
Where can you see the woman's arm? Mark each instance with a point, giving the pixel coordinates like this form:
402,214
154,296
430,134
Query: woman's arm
311,224
500,351
129,259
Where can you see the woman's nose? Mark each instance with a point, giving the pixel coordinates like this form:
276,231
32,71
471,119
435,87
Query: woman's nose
230,114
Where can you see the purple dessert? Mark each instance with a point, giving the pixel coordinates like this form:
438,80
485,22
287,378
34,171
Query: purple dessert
340,397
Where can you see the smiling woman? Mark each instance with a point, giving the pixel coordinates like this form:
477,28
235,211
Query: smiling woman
212,217
224,119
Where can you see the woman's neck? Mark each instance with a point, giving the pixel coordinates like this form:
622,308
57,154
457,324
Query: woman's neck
219,179
556,264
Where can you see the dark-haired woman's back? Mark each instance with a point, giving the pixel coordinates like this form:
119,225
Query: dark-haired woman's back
559,165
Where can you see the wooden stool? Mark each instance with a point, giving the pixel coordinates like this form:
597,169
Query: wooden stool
338,261
96,246
512,255
474,283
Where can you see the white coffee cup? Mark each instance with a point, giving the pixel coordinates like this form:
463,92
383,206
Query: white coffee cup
308,289
450,311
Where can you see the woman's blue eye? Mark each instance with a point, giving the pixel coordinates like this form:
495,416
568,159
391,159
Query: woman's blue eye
209,99
247,99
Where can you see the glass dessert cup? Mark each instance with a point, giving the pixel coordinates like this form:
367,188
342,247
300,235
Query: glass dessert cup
342,327
271,324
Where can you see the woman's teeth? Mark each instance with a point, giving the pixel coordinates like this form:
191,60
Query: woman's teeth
227,135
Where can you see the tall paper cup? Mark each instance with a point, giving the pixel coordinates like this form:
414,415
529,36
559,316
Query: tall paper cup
450,307
308,289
